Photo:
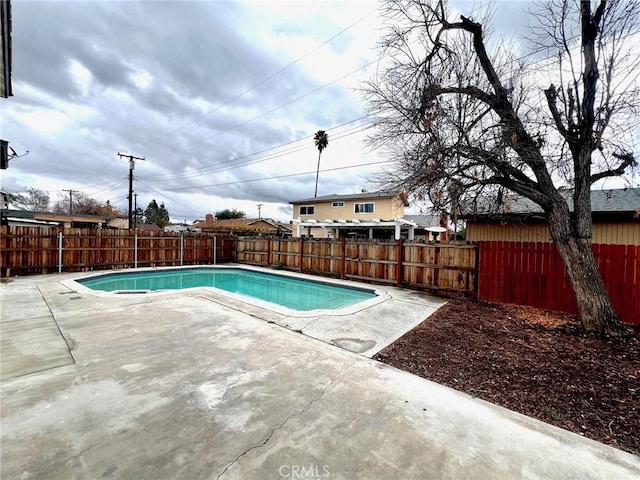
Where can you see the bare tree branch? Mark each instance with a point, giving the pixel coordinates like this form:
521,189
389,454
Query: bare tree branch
626,160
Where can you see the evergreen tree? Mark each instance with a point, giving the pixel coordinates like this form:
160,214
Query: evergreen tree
227,214
156,214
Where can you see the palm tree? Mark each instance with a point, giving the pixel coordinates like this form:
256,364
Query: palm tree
321,140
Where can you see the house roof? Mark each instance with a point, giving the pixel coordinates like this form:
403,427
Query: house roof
352,196
253,224
24,216
148,227
54,217
419,221
613,200
375,223
424,220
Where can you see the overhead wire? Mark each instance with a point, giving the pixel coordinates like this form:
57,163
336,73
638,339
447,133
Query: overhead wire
264,114
253,87
220,167
216,168
173,200
110,188
277,177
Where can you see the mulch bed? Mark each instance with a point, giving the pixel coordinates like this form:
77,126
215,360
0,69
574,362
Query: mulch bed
535,362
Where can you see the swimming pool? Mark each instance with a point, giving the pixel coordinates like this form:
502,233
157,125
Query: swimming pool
293,293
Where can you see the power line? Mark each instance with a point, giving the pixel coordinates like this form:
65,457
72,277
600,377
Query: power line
273,178
260,82
164,195
501,65
216,168
264,114
110,189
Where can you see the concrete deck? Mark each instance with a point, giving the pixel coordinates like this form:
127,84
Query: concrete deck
191,385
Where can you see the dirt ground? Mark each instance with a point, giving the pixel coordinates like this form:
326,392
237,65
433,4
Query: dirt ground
535,362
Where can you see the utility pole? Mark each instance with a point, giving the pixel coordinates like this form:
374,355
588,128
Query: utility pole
135,210
260,210
71,192
132,166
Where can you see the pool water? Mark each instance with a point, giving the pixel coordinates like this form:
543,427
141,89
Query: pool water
285,291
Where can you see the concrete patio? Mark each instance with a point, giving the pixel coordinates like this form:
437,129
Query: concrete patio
197,385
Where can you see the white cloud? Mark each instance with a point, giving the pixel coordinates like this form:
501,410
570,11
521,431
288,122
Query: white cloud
81,75
142,79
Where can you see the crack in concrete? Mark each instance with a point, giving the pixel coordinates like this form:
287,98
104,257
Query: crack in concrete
307,407
55,320
301,329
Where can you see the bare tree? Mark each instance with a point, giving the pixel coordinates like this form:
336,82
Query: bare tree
471,122
34,199
83,204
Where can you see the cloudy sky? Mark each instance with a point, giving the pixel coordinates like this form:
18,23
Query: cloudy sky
222,99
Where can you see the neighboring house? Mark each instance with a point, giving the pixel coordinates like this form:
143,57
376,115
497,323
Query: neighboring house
48,219
148,227
244,226
372,215
615,215
181,227
120,223
430,227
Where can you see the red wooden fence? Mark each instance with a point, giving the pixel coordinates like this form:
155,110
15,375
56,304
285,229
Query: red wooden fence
534,274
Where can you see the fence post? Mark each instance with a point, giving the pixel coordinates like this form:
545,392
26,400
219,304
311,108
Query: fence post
59,252
399,264
215,249
135,251
301,253
436,269
181,248
476,287
268,251
343,260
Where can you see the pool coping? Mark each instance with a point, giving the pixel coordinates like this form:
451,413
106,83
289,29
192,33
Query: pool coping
382,294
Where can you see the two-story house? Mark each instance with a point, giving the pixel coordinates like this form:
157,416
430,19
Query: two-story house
373,215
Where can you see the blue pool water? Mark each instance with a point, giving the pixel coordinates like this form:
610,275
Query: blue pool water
285,291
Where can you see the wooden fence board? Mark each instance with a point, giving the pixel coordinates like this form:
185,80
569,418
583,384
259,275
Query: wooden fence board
412,264
534,274
28,250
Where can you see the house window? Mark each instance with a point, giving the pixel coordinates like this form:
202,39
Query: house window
364,207
307,209
337,204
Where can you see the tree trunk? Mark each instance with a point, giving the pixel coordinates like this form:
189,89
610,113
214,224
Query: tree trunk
597,314
315,194
596,310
